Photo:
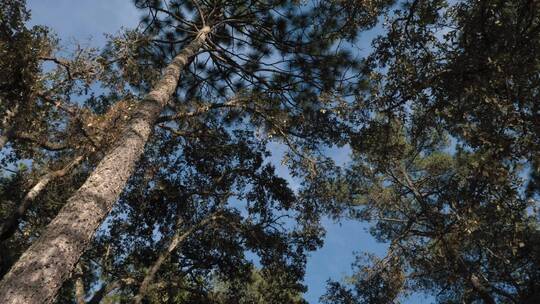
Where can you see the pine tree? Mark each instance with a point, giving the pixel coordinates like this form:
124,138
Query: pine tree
267,61
442,166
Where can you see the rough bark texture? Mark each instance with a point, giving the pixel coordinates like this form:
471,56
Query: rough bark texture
10,224
176,240
38,275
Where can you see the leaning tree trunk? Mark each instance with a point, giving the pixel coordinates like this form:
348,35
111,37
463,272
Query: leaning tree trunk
38,275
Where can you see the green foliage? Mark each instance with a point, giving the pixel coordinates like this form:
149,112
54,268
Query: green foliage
264,287
269,71
442,120
441,164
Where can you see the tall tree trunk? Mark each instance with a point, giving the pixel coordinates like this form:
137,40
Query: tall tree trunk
10,224
38,275
177,239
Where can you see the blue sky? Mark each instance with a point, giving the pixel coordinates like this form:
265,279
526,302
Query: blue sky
87,21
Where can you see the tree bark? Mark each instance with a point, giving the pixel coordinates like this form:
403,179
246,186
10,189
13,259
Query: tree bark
177,239
38,275
10,224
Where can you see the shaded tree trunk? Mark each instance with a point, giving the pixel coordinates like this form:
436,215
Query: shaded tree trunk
10,224
177,239
38,275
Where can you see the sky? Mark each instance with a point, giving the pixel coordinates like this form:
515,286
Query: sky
87,21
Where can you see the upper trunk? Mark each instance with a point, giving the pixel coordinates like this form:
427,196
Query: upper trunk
38,275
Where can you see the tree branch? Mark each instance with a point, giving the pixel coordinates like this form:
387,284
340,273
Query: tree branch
177,239
10,224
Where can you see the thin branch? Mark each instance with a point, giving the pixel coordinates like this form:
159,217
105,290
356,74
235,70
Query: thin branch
199,9
176,240
9,225
203,109
43,143
61,62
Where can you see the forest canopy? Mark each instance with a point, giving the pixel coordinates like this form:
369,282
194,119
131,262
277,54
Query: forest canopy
143,170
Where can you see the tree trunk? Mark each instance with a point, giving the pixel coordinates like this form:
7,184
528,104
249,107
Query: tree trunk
10,224
38,275
176,240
